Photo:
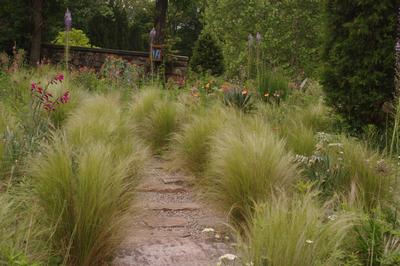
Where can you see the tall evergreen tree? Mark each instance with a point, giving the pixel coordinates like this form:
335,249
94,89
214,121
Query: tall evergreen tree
207,55
359,58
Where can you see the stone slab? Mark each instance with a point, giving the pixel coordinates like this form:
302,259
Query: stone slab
172,180
175,207
163,188
166,222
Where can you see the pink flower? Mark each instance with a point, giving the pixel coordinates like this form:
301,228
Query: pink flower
59,77
49,106
65,98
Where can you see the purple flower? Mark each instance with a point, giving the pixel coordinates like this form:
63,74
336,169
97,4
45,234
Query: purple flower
258,38
153,34
398,46
68,20
251,39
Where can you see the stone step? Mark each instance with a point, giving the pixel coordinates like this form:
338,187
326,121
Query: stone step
165,222
174,207
173,252
162,188
172,180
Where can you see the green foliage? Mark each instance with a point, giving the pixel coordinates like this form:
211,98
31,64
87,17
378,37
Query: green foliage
75,38
359,58
241,99
24,236
207,56
290,32
248,164
188,15
347,167
121,71
294,231
375,241
272,86
14,24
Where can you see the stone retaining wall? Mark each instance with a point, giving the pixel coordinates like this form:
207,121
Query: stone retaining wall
95,57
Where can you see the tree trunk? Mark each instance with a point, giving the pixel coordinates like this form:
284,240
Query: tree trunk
161,20
36,40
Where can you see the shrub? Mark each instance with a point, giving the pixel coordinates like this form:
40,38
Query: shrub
121,71
87,79
207,56
359,58
286,231
248,163
85,193
75,38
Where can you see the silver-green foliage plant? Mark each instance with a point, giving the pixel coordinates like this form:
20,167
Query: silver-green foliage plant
248,164
155,118
294,231
193,143
84,180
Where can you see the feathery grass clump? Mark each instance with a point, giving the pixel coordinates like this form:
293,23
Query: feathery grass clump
23,234
314,116
192,144
145,103
11,146
85,178
294,231
101,119
84,193
299,138
155,118
248,163
98,118
363,174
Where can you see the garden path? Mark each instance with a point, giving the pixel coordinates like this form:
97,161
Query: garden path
167,224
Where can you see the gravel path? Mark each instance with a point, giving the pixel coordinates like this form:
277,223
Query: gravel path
168,224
